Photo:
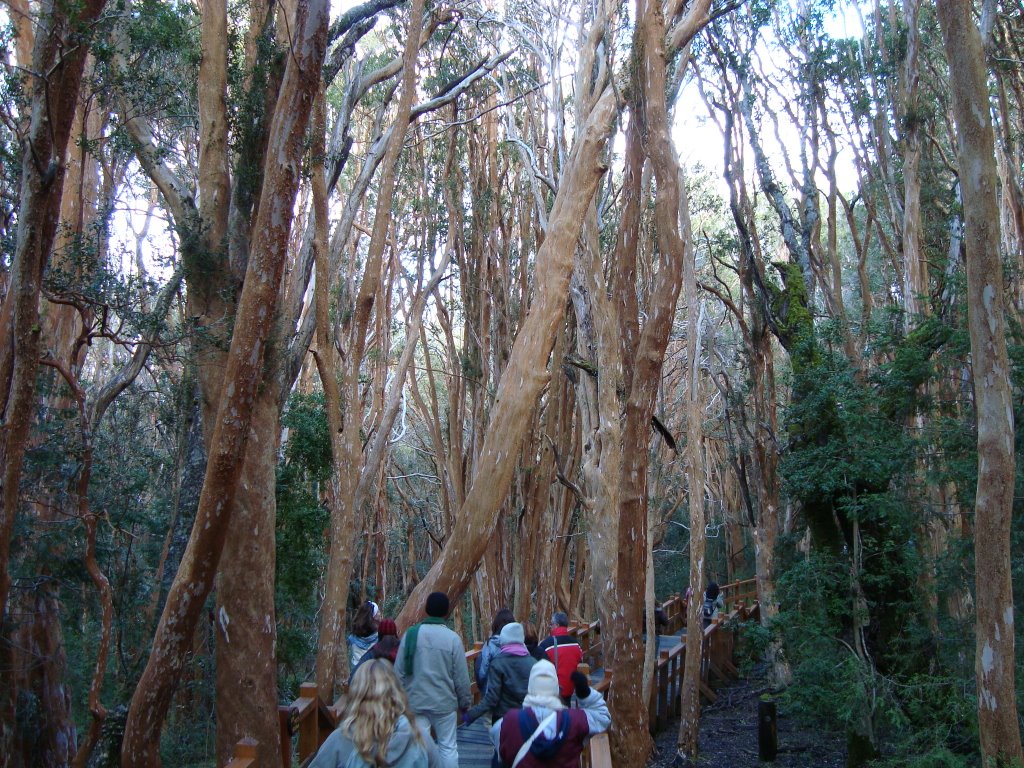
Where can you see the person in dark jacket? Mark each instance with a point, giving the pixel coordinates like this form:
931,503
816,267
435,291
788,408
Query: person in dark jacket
508,679
563,651
714,603
544,734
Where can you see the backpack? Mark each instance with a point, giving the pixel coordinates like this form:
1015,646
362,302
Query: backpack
709,608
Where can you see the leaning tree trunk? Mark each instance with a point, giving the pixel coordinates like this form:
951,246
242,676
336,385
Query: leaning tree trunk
994,631
242,375
526,373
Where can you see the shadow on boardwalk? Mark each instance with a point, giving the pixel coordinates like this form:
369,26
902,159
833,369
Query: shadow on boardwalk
728,735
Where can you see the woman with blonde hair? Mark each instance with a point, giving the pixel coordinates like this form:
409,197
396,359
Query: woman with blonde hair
376,728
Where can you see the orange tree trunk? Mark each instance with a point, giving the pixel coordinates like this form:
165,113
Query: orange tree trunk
241,380
994,631
53,104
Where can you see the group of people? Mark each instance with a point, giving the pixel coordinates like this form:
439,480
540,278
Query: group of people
395,702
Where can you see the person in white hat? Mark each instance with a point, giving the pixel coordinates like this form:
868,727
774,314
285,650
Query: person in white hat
508,678
543,733
364,633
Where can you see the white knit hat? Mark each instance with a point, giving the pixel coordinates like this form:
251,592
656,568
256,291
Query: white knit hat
512,633
543,688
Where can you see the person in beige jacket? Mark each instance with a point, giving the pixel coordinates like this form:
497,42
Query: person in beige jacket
431,665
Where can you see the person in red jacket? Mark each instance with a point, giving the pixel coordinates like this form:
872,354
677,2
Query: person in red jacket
544,734
564,652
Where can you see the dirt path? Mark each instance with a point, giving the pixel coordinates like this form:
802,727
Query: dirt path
728,735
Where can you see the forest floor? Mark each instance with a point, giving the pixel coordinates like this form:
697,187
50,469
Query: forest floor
728,734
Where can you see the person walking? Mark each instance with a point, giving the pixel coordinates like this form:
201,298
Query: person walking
564,652
431,665
492,647
364,633
543,733
508,679
376,728
387,646
714,603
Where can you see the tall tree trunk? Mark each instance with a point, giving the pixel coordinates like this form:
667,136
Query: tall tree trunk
245,618
643,355
243,372
689,704
994,630
346,451
54,101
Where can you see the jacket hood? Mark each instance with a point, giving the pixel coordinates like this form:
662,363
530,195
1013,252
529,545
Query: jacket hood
401,740
363,643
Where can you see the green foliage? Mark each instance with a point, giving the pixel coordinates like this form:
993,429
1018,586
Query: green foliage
12,100
854,618
301,522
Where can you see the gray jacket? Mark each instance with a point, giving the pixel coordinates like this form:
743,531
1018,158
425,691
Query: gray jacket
439,683
508,679
404,751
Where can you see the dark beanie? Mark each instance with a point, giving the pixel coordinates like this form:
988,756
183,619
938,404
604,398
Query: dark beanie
437,604
387,627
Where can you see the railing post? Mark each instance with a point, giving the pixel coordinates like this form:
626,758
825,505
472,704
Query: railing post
308,705
245,754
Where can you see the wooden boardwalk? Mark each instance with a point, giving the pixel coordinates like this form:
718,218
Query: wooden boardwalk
475,748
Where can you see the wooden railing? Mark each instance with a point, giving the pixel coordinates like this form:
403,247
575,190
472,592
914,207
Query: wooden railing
716,663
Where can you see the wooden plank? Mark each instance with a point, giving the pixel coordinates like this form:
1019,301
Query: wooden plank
663,691
284,725
600,751
718,673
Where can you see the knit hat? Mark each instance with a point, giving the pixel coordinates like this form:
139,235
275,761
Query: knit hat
387,627
437,605
376,608
512,633
543,688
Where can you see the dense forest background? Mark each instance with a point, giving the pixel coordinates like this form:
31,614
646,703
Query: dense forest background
553,306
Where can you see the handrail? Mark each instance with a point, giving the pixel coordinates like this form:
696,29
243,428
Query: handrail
734,593
311,719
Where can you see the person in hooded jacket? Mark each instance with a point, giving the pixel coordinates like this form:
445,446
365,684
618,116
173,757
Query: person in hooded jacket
376,729
508,679
543,733
364,633
492,647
